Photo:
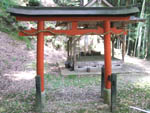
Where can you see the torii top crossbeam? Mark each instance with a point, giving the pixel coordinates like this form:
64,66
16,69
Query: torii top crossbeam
73,15
73,11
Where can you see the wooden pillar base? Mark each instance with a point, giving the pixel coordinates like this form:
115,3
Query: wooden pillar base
107,96
102,81
40,96
113,92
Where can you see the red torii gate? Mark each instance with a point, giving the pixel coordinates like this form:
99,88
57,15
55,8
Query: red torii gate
73,15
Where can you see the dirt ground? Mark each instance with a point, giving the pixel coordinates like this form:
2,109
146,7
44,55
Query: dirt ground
18,69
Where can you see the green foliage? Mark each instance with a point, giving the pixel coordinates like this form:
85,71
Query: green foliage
72,76
18,103
27,40
137,95
7,22
68,2
34,2
72,80
5,4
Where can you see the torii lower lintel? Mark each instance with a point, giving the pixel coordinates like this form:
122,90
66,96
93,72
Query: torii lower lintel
72,32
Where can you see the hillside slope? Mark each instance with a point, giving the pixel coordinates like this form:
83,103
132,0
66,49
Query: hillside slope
18,64
14,58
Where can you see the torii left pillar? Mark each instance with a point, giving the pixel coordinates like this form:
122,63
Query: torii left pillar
40,66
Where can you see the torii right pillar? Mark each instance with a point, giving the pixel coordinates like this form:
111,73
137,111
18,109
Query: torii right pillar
107,62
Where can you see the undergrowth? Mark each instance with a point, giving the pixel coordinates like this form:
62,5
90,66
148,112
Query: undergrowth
133,94
18,103
72,80
137,95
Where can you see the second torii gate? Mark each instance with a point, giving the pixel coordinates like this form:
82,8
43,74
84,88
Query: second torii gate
74,15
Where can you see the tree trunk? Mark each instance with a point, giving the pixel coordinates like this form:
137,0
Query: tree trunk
68,50
128,2
143,43
128,45
115,2
74,54
148,39
71,49
113,46
123,47
139,31
128,40
135,45
118,43
139,41
81,2
119,2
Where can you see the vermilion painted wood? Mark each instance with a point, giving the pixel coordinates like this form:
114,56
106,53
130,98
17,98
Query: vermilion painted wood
73,18
74,25
107,55
40,53
73,31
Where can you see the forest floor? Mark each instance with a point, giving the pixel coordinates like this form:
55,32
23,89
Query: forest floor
72,94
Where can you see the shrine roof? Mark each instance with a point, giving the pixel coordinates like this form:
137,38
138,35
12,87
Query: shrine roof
73,11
